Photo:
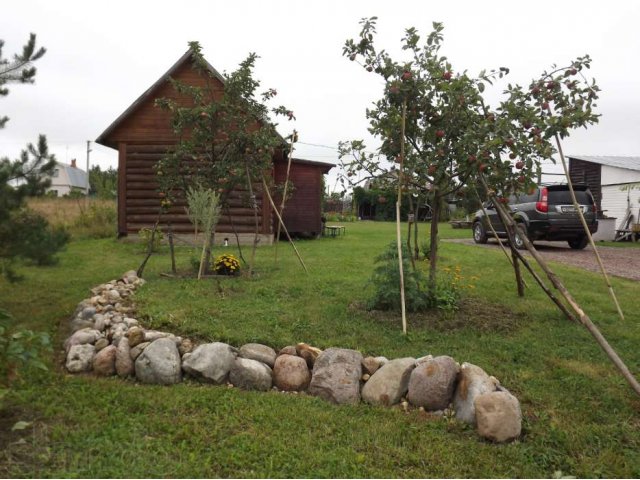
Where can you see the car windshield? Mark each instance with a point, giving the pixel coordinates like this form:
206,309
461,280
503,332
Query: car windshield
563,197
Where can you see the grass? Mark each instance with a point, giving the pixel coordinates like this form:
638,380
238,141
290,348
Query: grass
580,417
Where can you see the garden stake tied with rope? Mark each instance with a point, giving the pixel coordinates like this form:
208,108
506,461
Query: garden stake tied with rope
398,234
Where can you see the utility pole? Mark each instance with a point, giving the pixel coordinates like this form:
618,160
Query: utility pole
88,152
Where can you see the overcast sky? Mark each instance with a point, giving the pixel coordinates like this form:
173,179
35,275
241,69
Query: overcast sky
103,55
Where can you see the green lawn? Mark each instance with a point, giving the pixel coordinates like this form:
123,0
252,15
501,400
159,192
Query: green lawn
580,417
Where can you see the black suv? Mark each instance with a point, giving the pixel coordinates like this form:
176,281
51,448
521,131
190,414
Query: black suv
546,214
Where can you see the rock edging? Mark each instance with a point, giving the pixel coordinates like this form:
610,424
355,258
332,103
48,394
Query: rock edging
107,340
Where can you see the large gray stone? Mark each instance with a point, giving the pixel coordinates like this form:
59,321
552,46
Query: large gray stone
81,337
159,363
432,383
472,381
498,416
79,324
250,374
104,362
80,358
336,376
210,362
124,362
291,373
87,313
259,352
389,383
100,322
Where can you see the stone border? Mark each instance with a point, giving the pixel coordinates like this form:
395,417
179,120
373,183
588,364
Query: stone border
107,340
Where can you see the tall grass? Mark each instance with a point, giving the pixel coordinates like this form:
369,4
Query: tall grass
81,217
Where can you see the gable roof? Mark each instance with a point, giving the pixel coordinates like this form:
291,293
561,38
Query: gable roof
77,177
102,139
630,163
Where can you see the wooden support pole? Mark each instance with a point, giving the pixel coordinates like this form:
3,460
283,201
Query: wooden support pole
398,234
273,205
284,193
586,229
582,316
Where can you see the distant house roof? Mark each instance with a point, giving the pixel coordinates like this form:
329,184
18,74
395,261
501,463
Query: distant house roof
630,163
76,176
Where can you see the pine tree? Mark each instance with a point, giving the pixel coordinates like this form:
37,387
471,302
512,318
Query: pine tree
24,234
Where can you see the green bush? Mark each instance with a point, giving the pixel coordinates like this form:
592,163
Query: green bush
28,236
340,217
386,281
19,349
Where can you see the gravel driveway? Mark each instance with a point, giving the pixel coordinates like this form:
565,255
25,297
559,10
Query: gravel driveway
618,261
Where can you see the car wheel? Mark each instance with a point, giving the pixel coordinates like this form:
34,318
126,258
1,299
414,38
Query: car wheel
479,233
517,239
578,243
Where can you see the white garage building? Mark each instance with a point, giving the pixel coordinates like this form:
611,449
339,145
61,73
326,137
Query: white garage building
615,183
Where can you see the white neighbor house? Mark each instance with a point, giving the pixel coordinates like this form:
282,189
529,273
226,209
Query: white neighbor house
614,181
66,178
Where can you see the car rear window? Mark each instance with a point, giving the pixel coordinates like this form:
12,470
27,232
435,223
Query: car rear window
563,197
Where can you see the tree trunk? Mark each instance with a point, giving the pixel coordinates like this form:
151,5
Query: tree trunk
433,247
171,248
409,226
140,270
416,247
256,239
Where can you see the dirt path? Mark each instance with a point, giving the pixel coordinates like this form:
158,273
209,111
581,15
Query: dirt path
618,261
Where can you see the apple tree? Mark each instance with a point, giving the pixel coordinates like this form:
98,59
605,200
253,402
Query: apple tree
452,137
225,137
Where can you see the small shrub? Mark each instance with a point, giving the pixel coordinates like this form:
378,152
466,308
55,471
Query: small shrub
194,261
226,264
145,236
386,280
425,248
19,349
28,236
450,288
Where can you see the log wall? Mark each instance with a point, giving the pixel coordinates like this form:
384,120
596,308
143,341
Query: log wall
140,201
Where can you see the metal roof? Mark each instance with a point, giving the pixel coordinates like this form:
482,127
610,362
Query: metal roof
77,177
630,163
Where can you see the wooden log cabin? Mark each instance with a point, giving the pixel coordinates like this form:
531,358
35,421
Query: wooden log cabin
142,134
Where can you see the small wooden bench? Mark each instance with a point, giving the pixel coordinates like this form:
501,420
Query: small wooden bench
333,230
